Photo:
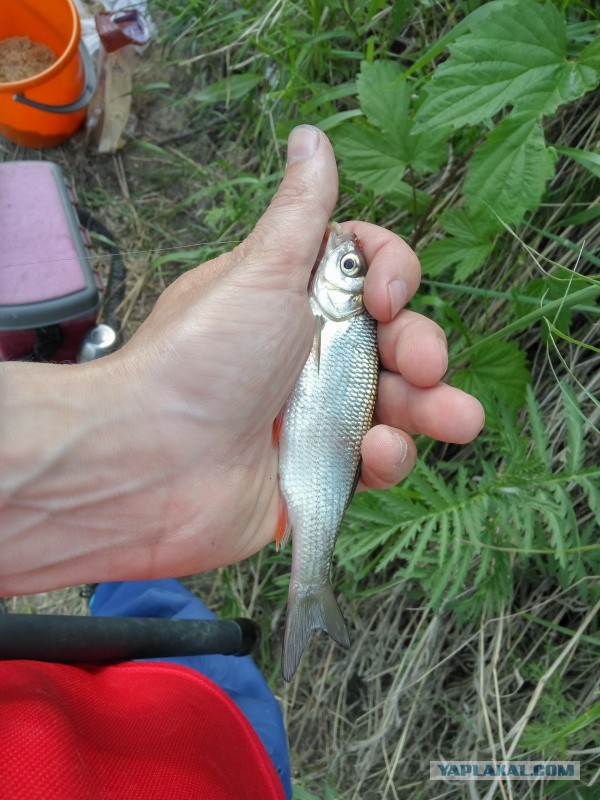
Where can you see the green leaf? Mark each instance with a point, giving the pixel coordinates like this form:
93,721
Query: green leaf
370,157
591,161
458,536
539,433
467,256
589,215
150,87
590,57
406,196
466,225
423,152
331,122
590,717
382,95
471,243
455,31
327,95
385,99
515,56
508,172
575,422
498,376
582,32
231,88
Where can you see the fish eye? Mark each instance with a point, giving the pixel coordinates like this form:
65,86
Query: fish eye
350,264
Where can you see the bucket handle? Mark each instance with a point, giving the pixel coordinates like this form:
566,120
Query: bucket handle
89,87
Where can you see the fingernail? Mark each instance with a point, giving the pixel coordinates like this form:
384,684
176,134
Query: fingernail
443,353
402,450
302,143
398,293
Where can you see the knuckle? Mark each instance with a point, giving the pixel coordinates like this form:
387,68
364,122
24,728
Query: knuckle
172,292
290,192
263,245
423,326
416,328
191,282
258,241
299,191
181,287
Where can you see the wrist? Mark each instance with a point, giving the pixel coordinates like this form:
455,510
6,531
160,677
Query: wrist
44,409
72,449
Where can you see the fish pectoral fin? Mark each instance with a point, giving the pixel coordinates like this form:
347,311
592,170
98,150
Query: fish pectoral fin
309,610
316,348
283,529
277,426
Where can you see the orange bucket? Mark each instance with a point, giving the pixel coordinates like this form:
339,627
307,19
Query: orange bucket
47,108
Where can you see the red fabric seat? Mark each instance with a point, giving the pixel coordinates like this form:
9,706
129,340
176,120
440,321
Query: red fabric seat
132,731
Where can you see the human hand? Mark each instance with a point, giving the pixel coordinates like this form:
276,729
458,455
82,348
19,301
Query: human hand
221,352
158,460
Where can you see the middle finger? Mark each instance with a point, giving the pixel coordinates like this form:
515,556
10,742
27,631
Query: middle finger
415,347
442,412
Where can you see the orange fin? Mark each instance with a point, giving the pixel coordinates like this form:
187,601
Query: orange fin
283,530
277,425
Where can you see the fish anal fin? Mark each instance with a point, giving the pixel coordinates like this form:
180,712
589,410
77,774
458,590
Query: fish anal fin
310,609
283,529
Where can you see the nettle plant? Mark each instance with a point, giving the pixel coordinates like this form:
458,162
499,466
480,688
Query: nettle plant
486,103
473,129
465,535
473,126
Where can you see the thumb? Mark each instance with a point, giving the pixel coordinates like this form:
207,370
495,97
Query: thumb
286,240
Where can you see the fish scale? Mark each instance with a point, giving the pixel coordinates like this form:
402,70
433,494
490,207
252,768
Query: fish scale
325,420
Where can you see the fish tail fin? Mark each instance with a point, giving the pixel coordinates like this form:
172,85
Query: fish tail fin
308,611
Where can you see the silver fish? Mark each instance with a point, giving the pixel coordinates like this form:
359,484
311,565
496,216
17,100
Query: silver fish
324,422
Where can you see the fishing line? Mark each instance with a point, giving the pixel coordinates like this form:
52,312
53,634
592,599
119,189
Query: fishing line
156,250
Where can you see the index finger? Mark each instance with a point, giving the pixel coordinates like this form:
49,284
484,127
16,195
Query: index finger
394,271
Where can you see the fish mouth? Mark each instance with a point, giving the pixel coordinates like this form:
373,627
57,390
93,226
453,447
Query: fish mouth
337,236
333,238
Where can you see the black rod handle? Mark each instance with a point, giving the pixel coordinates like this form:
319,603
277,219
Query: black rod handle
101,640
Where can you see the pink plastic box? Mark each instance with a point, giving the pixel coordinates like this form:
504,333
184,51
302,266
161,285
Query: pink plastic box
46,276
